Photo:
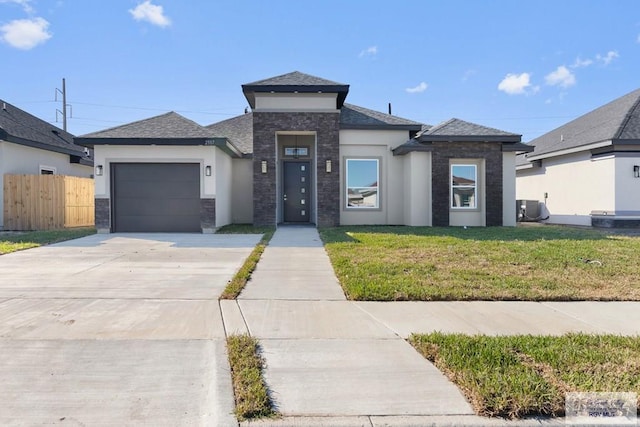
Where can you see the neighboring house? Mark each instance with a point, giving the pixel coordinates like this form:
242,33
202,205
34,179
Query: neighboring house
302,156
587,172
29,145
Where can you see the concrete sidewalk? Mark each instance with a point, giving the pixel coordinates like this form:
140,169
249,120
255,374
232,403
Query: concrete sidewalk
337,362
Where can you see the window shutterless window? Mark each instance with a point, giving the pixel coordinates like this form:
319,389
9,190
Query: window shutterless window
362,177
464,186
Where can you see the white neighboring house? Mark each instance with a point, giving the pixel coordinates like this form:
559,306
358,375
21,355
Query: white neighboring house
29,145
587,172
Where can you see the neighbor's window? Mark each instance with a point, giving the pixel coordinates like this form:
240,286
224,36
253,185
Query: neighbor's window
362,183
464,186
47,170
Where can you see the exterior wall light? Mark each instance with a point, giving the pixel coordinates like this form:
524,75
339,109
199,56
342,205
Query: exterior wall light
263,166
99,170
327,165
207,170
636,171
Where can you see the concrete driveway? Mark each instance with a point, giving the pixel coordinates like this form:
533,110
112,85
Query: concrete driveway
119,329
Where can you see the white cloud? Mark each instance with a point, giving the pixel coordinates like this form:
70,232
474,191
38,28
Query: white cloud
579,63
560,77
467,74
516,84
370,51
606,59
151,13
25,34
418,89
24,3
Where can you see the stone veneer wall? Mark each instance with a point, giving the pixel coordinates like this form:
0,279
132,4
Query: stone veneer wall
103,215
208,215
326,126
442,153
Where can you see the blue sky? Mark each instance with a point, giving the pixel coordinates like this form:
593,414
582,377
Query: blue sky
524,67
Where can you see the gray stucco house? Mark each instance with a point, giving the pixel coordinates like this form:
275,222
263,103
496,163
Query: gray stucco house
31,146
302,155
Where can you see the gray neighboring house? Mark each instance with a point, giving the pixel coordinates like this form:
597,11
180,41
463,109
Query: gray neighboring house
302,155
29,145
586,172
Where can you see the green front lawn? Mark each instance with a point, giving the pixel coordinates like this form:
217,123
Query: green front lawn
494,263
520,376
19,241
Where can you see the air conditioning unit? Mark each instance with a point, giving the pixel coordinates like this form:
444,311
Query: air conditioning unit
527,210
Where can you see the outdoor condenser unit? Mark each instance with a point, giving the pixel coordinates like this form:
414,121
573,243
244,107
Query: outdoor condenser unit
527,210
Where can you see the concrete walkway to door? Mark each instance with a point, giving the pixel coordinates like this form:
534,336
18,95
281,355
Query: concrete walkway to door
335,362
327,357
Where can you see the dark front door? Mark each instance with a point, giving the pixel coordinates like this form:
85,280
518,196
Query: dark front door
296,195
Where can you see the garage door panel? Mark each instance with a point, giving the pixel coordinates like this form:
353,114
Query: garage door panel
155,190
156,197
157,223
156,207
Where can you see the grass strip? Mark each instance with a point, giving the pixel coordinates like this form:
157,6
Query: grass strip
250,390
538,263
237,284
12,242
522,376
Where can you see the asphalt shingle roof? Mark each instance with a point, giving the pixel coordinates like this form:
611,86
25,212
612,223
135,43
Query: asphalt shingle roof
460,128
354,117
295,78
295,82
618,120
165,126
20,127
238,130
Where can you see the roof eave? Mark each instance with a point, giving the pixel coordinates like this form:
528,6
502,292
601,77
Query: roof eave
379,127
41,145
470,138
517,147
90,142
250,91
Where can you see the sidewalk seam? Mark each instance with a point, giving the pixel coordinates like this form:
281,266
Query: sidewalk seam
544,303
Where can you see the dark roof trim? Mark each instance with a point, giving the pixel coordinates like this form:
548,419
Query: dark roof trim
469,138
222,143
40,145
90,142
225,145
625,141
380,127
518,147
250,90
411,146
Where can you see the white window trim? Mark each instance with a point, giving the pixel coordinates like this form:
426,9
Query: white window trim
475,187
48,169
346,184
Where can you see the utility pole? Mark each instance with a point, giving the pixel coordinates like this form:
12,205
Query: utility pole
63,92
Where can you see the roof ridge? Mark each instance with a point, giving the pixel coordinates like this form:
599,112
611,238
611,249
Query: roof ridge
440,125
628,116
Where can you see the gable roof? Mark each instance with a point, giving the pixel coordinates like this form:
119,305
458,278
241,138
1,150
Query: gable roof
617,122
19,127
295,82
239,130
456,130
355,117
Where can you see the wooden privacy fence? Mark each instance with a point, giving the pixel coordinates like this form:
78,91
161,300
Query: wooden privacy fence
47,202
